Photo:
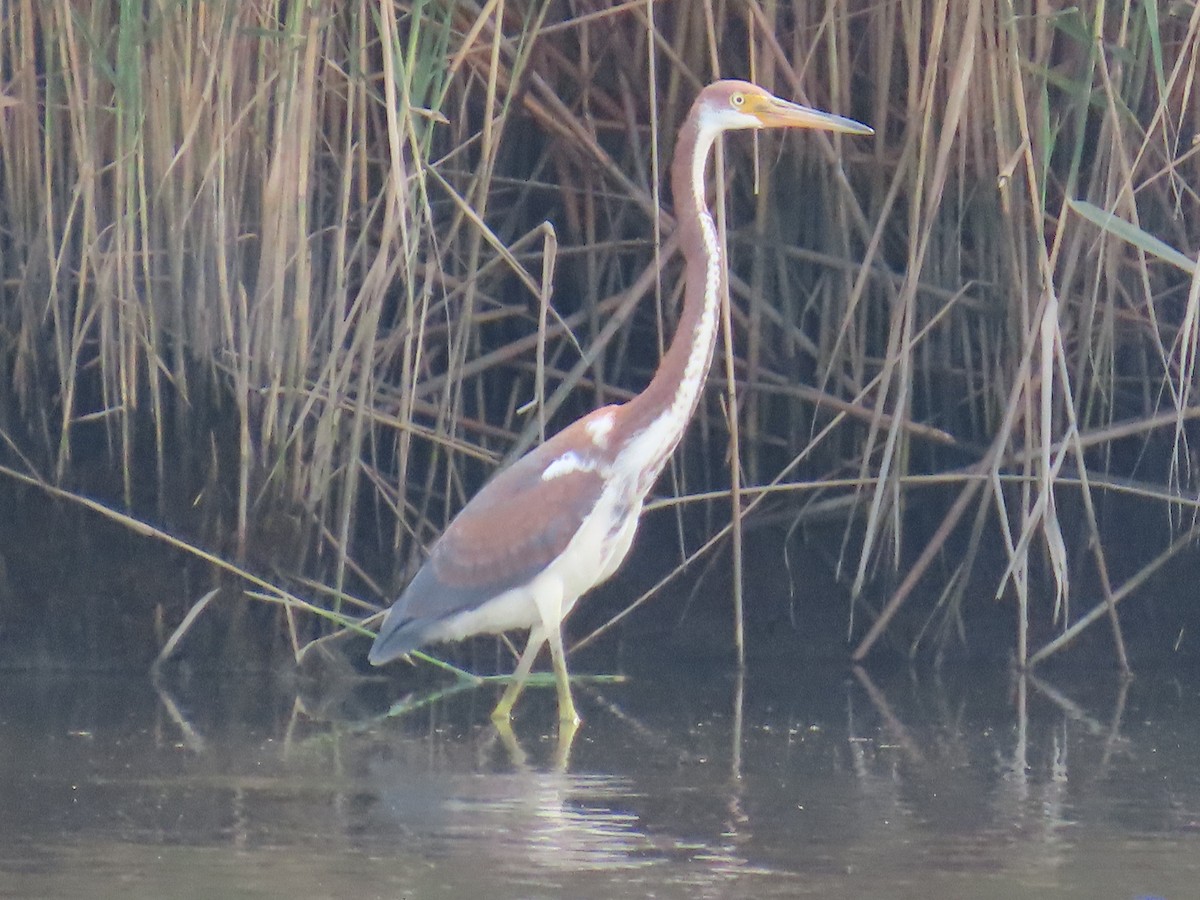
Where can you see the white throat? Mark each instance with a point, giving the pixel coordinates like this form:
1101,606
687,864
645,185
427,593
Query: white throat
660,438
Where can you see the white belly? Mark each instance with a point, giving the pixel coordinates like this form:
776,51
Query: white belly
596,551
507,612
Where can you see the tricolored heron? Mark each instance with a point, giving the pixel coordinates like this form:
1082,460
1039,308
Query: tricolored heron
561,519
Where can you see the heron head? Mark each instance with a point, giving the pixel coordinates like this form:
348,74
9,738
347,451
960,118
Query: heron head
740,105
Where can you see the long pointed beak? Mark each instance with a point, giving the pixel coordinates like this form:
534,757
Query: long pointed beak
782,114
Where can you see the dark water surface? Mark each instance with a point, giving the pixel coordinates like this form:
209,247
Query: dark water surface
824,783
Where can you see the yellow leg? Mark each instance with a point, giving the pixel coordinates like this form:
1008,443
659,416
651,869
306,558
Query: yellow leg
566,706
548,596
503,710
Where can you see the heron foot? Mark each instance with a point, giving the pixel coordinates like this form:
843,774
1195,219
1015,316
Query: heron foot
503,711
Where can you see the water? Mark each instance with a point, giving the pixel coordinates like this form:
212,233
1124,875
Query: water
684,781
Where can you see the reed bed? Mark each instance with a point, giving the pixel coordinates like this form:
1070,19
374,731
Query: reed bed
331,264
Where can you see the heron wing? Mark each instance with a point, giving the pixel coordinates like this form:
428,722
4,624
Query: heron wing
511,530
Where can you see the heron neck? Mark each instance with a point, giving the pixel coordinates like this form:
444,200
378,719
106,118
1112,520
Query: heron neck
661,412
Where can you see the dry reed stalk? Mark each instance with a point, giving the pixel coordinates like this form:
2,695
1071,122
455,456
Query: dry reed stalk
325,230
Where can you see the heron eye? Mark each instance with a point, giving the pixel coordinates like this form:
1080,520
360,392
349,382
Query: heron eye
737,99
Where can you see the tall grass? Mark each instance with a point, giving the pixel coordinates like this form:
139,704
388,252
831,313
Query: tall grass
339,261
